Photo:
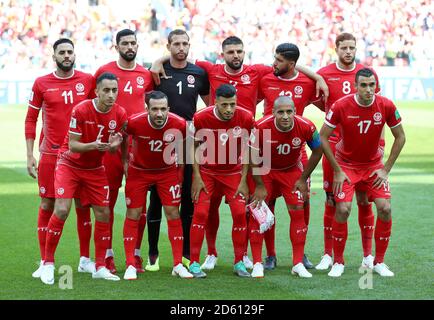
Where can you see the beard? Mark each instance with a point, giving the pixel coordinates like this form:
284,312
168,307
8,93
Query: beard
279,72
65,68
127,57
344,62
233,66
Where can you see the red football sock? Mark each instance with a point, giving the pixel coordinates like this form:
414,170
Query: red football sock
383,230
366,223
130,237
329,214
270,235
141,229
256,239
239,229
101,238
174,231
212,226
54,232
340,235
307,213
43,220
84,229
297,234
247,234
113,197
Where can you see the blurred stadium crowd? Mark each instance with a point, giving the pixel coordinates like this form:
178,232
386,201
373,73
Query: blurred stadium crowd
389,33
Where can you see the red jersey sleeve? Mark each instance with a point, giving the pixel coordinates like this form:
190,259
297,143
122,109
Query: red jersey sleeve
76,123
263,69
206,65
393,118
333,116
35,105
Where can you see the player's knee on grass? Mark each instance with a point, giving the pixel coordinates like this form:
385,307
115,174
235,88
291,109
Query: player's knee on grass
134,213
47,204
172,212
330,199
362,198
343,210
102,214
384,209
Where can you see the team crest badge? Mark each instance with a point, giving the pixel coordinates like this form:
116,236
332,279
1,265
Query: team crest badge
169,137
245,78
237,131
341,195
377,117
298,90
60,191
42,190
296,142
140,81
79,87
112,124
191,79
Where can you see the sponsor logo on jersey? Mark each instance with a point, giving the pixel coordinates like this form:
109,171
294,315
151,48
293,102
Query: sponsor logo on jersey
79,87
273,88
341,195
296,142
298,90
42,190
60,191
334,79
245,78
353,117
236,131
73,123
191,79
169,137
140,81
112,124
89,122
52,89
377,116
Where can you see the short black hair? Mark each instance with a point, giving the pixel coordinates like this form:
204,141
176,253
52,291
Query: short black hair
225,91
365,72
156,95
62,40
106,76
176,32
124,33
289,51
231,40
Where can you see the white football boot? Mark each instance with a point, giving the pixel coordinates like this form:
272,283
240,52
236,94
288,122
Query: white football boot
86,265
337,270
247,262
325,263
210,262
258,270
47,274
37,273
300,270
181,271
130,273
383,270
368,262
104,273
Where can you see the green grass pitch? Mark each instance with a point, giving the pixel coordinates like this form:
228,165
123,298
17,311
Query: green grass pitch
410,253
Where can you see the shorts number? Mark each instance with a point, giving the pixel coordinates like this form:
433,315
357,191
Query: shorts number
108,192
156,145
346,87
283,149
128,88
176,191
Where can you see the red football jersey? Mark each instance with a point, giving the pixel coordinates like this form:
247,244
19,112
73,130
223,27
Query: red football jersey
154,148
89,123
285,147
56,97
301,89
133,84
222,142
361,128
341,82
246,81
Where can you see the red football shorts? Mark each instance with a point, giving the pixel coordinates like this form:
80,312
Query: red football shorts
281,182
327,170
225,185
360,180
114,169
139,181
46,167
69,182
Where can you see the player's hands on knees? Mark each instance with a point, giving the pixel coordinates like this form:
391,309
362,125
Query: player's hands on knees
31,166
196,187
380,179
242,191
259,195
339,177
301,186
